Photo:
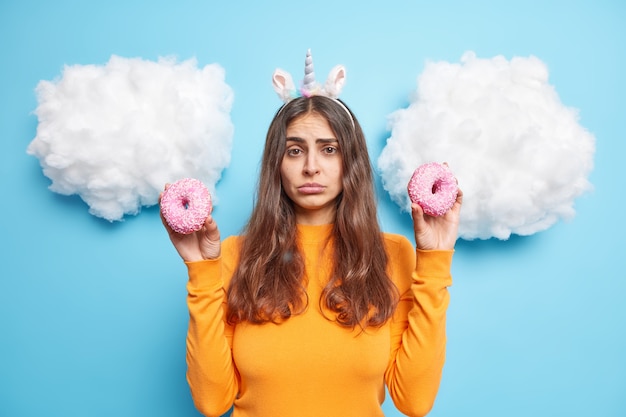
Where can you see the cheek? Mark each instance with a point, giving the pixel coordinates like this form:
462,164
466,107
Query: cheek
286,172
336,174
337,170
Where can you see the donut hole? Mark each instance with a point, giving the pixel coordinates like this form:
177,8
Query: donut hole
436,187
185,203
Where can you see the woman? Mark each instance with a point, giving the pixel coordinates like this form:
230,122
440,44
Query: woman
313,310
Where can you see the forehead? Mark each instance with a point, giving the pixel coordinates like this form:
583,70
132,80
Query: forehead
310,124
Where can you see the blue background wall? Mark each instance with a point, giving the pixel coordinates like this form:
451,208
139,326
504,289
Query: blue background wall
92,314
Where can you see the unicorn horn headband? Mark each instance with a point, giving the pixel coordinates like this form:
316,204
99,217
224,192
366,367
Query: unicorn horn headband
286,90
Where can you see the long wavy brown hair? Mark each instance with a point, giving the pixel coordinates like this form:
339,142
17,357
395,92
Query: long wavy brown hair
268,284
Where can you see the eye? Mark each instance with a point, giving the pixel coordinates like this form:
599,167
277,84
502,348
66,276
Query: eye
294,152
330,150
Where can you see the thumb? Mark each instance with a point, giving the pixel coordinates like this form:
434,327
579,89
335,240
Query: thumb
417,212
211,230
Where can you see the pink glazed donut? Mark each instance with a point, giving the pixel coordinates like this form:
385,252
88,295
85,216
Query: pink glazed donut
185,205
434,188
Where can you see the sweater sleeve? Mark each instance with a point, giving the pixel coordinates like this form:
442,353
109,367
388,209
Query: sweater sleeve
211,373
418,329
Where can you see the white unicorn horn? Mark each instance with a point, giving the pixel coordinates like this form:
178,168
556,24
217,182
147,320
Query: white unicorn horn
308,84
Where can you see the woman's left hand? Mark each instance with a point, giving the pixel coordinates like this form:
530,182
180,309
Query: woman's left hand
437,233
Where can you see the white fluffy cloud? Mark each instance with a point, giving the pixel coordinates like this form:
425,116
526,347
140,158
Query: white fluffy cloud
115,134
519,154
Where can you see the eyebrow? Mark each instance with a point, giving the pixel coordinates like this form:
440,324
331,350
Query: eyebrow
320,140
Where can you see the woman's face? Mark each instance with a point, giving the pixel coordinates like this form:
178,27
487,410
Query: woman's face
311,169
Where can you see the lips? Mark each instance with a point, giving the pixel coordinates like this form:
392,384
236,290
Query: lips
311,188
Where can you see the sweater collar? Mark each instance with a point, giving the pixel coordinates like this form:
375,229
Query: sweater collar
312,234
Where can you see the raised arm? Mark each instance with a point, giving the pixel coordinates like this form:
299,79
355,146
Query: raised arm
418,330
211,373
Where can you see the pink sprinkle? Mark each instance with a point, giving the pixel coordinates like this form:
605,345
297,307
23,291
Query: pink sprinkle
434,188
185,205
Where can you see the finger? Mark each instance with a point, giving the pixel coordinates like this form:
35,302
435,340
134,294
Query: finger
211,230
417,212
415,208
165,187
459,196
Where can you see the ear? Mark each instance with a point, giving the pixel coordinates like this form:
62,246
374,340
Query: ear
283,85
335,81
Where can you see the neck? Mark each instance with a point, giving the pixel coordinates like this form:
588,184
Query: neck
316,217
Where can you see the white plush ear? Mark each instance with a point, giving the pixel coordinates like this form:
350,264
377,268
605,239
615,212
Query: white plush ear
283,85
335,81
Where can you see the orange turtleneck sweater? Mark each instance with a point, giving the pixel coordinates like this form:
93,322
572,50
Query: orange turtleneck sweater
308,365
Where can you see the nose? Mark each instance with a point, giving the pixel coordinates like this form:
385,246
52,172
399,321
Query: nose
311,166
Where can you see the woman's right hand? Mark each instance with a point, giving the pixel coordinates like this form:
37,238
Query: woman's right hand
197,246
